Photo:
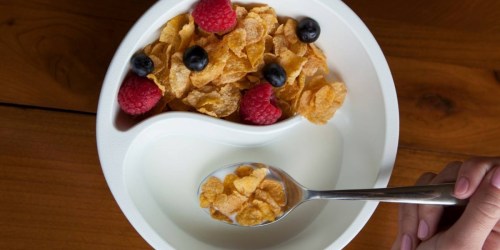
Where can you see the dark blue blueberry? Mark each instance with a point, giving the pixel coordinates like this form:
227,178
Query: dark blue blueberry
274,74
308,30
141,64
195,58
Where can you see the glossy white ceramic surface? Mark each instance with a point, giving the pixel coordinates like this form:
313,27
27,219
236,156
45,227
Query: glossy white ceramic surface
154,167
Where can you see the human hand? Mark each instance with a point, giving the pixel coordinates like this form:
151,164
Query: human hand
478,227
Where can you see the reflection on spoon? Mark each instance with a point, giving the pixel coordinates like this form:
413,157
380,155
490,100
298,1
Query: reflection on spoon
254,194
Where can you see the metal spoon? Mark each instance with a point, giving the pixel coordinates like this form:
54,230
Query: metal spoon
296,194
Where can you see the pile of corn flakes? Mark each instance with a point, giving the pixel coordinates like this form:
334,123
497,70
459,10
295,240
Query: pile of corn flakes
245,195
235,62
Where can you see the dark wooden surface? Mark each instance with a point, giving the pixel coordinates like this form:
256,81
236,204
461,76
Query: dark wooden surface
444,56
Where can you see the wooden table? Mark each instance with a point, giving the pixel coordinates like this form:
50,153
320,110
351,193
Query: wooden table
444,56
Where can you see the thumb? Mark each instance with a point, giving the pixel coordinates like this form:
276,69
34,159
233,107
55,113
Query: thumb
480,216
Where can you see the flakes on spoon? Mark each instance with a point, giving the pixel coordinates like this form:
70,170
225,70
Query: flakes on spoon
246,196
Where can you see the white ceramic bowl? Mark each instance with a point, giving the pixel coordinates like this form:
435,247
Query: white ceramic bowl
153,168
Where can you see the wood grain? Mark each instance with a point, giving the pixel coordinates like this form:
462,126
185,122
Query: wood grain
53,191
56,53
53,194
443,55
448,31
446,107
50,161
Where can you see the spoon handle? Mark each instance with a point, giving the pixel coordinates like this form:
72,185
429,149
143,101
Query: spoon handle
439,194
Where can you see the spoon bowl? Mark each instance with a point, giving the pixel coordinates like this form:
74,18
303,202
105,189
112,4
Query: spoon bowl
296,194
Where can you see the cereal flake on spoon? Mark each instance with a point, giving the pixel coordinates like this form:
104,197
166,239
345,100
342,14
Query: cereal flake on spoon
245,197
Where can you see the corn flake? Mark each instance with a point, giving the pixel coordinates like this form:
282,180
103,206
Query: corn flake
275,190
290,31
280,43
266,210
236,41
211,188
235,63
219,216
245,193
217,59
216,102
241,12
229,187
268,15
205,202
314,64
243,84
227,204
179,76
248,184
317,51
280,30
250,216
186,34
254,27
292,64
243,171
266,197
234,71
255,53
299,48
160,55
319,103
170,33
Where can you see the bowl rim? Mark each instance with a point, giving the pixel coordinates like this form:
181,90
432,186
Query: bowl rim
113,144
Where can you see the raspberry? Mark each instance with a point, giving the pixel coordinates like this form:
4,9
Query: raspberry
215,16
138,95
258,105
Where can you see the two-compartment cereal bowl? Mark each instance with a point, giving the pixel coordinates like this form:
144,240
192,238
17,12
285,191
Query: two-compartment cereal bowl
154,166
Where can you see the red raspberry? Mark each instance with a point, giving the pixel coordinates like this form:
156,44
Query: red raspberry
215,16
138,95
258,105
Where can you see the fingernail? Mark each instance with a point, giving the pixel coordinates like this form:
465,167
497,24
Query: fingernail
423,230
495,179
462,185
406,242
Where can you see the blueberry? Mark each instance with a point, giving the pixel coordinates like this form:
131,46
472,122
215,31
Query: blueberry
141,64
274,74
308,30
195,58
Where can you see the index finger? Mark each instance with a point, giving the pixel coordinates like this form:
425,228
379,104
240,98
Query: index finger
430,215
480,216
471,174
408,220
